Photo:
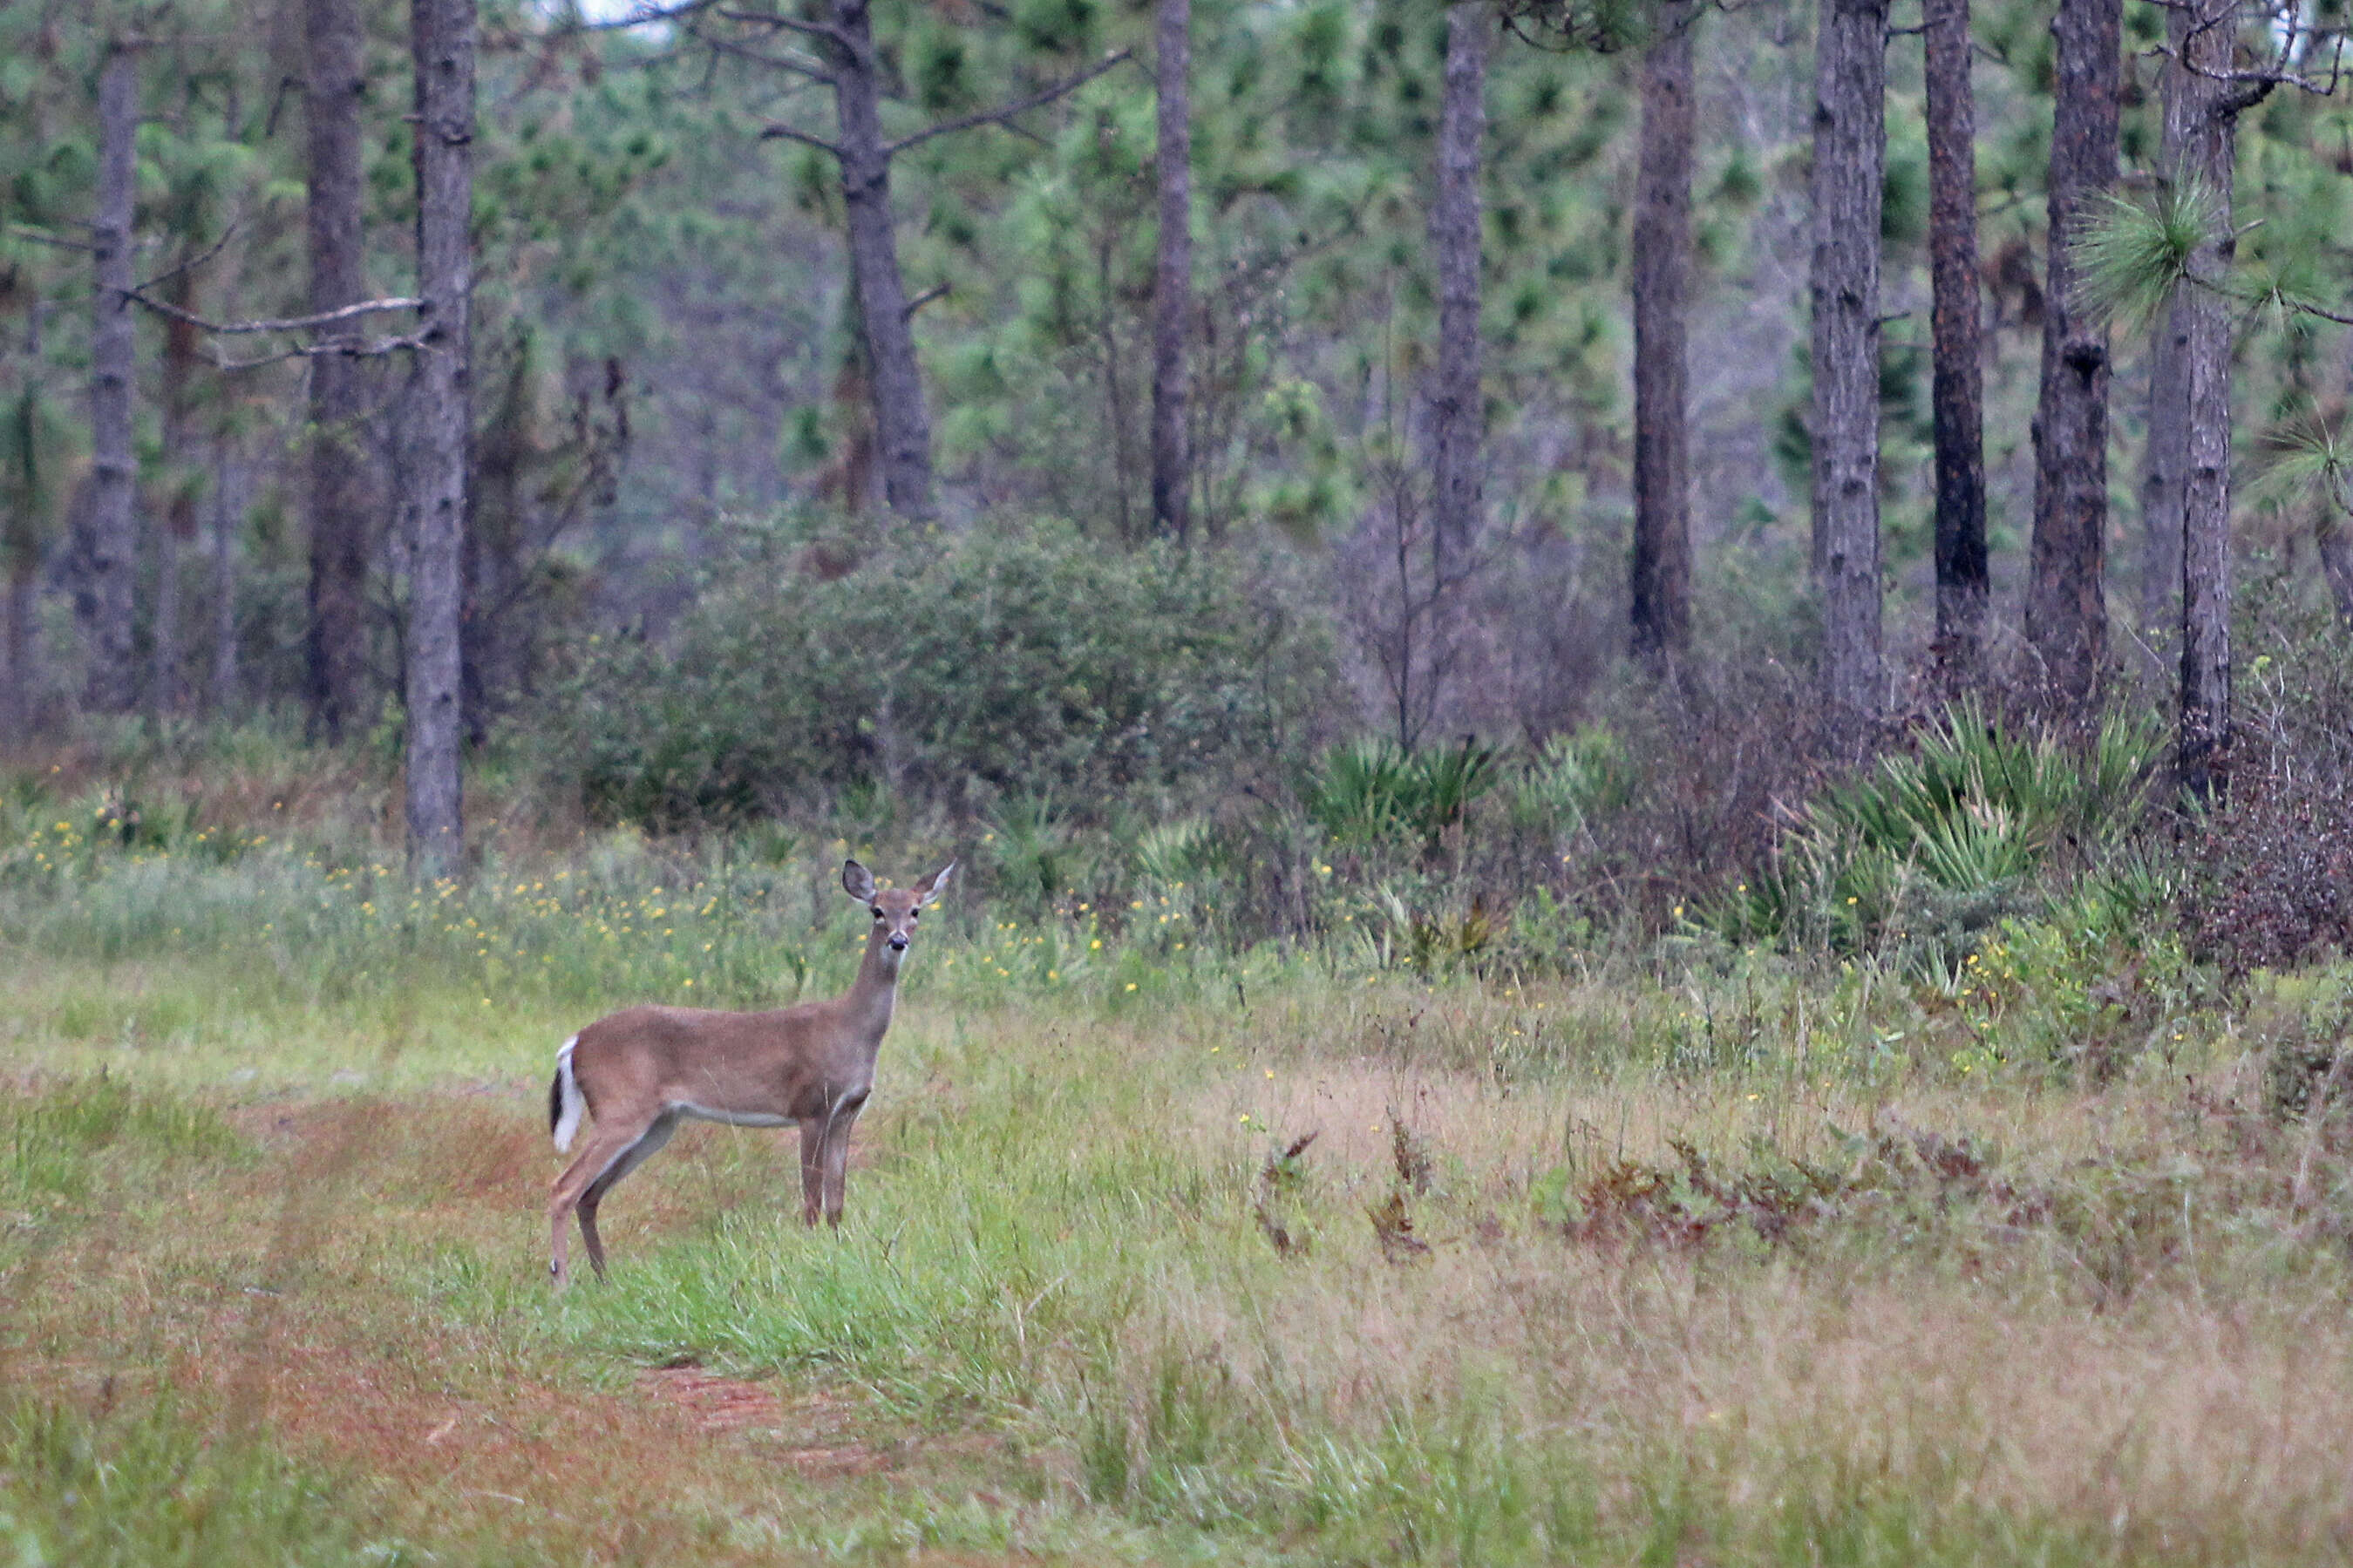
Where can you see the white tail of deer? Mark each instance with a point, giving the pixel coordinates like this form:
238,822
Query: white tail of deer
638,1072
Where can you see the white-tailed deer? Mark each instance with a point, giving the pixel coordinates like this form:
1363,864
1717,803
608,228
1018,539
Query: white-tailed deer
639,1071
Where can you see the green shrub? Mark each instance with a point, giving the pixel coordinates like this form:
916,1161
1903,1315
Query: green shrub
960,670
1935,845
1371,792
1575,777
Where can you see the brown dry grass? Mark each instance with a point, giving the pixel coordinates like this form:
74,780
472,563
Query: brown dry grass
2169,1402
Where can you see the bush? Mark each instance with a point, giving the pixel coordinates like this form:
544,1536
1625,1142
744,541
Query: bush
2274,881
958,671
1372,792
2271,883
1938,843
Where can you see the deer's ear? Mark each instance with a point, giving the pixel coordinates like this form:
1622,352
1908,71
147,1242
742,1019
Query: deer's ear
857,881
929,888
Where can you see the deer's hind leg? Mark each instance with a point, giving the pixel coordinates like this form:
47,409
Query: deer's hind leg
614,1150
637,1154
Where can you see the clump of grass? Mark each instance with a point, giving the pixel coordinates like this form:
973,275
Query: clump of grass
1934,846
52,1137
143,1487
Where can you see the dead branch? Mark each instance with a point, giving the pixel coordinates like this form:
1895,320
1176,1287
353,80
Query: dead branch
288,324
2255,84
773,132
193,262
826,30
346,348
728,47
1000,116
43,237
644,15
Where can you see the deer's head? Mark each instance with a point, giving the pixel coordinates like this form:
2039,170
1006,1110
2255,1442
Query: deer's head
895,910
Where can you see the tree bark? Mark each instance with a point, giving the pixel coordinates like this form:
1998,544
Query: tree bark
2208,153
1957,378
1850,163
1660,608
2165,456
901,421
114,534
1172,282
442,47
176,524
2066,596
2335,542
2164,459
1458,413
339,499
1116,425
21,531
21,696
164,630
220,690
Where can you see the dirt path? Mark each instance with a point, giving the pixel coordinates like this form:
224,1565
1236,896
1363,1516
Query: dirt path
297,1319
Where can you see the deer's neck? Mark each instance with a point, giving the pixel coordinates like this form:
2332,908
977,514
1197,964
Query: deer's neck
876,989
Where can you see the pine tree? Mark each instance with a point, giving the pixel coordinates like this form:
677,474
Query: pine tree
1957,375
2066,604
113,548
1458,408
1172,283
1850,163
1662,265
338,501
439,414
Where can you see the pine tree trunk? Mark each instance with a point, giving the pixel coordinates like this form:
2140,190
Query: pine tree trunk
1458,415
1957,378
339,502
24,604
220,692
442,46
113,532
2164,459
2165,456
2335,543
1660,610
495,541
2066,594
163,634
1172,282
1850,162
2209,146
176,526
901,421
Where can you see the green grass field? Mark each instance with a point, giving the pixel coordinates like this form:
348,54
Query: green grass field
1735,1261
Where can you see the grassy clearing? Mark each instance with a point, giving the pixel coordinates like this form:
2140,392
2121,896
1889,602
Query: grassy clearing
1729,1259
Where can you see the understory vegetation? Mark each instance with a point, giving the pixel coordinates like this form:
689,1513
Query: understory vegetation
1468,1155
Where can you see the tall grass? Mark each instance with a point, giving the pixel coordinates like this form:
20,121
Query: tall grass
1728,1251
142,1488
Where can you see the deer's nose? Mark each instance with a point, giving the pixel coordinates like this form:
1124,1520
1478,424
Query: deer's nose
898,943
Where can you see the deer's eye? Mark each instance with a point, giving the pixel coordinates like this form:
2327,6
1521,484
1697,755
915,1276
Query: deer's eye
878,912
915,914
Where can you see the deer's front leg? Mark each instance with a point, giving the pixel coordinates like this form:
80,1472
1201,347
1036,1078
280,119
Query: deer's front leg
813,1167
837,1154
